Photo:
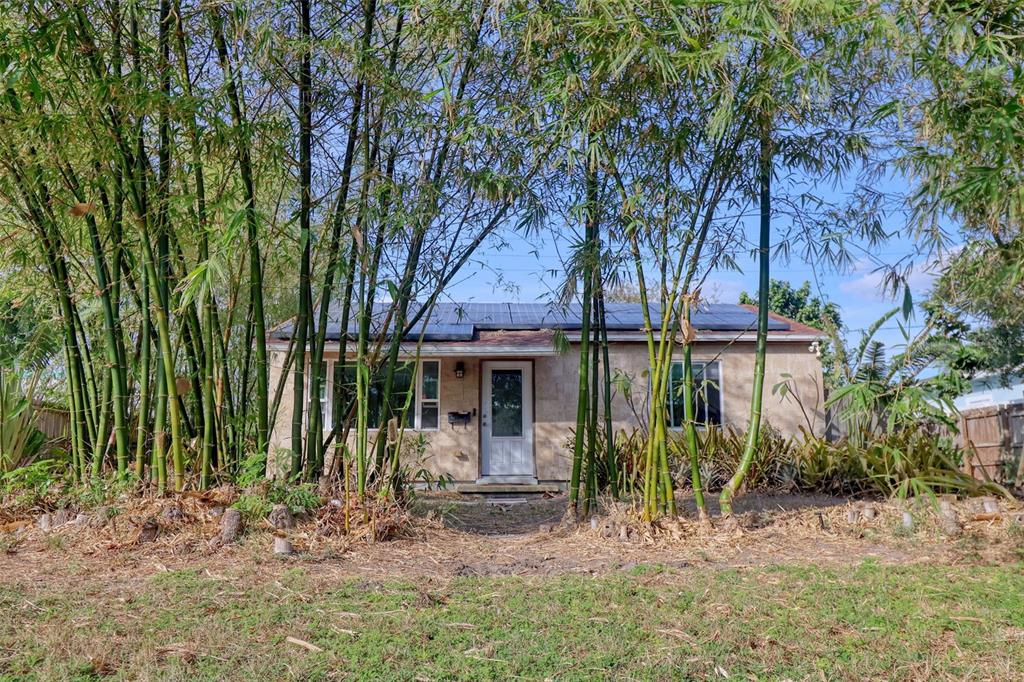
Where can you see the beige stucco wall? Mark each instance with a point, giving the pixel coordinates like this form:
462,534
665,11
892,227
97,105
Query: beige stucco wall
281,429
454,450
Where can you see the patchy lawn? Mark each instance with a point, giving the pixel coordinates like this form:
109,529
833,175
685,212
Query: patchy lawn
796,587
648,622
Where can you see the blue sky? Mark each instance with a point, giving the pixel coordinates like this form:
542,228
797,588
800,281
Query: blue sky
530,271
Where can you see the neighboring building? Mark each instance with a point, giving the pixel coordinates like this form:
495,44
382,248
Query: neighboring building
992,390
496,400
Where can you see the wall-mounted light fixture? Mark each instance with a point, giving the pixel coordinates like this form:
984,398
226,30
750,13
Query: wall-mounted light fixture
460,369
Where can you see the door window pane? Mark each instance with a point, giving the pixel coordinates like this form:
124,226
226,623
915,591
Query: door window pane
507,403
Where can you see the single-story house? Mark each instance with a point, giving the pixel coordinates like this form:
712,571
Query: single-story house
494,396
991,390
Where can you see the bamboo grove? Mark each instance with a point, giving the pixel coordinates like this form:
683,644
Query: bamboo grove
180,178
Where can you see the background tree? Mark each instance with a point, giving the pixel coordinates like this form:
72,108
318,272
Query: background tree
798,304
976,307
801,305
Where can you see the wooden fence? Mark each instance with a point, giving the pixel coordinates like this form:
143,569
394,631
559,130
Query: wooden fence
993,442
55,423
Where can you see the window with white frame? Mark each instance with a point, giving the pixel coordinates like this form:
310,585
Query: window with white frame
429,396
422,388
707,394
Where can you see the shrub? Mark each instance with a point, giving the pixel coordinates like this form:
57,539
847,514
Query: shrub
773,468
902,463
20,440
30,485
261,493
412,466
630,452
258,501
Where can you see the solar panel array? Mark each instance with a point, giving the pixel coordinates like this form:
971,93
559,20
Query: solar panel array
460,321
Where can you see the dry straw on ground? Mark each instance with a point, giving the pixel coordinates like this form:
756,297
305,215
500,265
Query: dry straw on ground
450,537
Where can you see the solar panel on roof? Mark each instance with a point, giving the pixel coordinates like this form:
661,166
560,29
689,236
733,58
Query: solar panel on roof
443,332
525,314
538,316
459,321
737,319
627,316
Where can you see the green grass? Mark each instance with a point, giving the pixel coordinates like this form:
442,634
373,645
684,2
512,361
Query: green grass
872,621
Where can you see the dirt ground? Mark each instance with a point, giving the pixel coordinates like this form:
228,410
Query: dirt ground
449,536
794,587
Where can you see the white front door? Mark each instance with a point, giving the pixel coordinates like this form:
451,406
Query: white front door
506,420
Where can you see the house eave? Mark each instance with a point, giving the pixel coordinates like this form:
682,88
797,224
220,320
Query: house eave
455,348
452,349
638,337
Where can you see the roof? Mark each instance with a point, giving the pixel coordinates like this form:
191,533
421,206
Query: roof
795,328
460,322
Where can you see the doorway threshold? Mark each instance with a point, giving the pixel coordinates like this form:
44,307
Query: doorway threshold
486,488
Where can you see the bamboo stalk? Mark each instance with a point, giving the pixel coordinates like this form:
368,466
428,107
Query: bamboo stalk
764,281
690,427
315,436
610,453
242,147
583,399
143,374
207,445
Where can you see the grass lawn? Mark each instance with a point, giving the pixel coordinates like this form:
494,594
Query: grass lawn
871,621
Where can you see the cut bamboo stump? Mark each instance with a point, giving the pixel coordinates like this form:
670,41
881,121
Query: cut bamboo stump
947,518
100,517
281,517
172,514
950,525
61,516
230,525
149,531
852,516
990,506
908,521
868,513
282,546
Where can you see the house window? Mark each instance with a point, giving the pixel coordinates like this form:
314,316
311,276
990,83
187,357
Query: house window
325,409
429,395
405,389
707,390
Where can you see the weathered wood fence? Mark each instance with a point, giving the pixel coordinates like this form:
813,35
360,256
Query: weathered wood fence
54,422
993,442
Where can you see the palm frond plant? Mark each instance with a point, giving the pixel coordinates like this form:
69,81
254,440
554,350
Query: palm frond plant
20,439
908,462
888,395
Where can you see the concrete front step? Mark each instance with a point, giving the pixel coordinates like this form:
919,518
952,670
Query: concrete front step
497,488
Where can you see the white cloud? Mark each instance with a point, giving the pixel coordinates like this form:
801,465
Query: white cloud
722,291
867,279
